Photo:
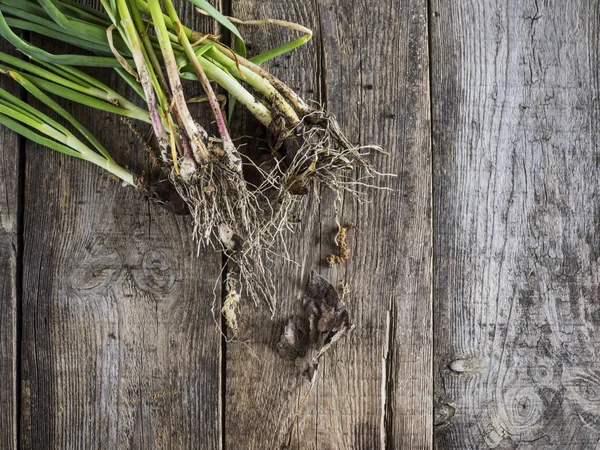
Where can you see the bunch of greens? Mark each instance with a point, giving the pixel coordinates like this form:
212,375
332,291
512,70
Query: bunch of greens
146,43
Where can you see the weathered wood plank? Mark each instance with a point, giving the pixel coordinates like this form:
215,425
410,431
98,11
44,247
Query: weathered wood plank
119,344
374,390
9,174
378,84
262,392
516,134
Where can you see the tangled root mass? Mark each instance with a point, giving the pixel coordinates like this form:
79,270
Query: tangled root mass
245,221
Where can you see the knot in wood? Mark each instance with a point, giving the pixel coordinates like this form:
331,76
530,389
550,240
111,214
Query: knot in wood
98,268
157,273
467,365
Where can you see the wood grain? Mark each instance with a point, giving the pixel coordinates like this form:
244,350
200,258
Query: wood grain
516,134
262,392
378,84
119,344
9,248
374,389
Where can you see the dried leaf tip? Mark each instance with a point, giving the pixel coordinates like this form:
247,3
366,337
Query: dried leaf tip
322,321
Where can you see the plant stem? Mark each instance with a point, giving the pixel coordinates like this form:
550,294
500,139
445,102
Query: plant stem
232,86
143,70
164,86
259,83
141,29
193,131
235,161
143,7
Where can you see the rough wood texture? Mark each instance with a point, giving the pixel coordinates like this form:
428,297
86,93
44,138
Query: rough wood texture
9,173
262,391
119,344
120,349
376,392
516,134
374,389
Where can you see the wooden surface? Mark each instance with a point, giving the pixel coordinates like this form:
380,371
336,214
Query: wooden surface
263,393
516,280
374,389
10,251
474,282
119,348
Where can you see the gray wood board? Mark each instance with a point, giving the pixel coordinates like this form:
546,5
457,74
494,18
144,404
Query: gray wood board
374,389
515,138
9,249
262,391
119,348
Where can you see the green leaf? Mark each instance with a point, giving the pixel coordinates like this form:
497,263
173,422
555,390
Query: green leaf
184,64
238,45
19,105
58,35
32,51
35,137
83,12
278,51
36,92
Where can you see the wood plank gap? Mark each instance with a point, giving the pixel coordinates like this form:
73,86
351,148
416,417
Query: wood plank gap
387,410
18,329
321,76
429,12
321,73
223,381
20,218
226,8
